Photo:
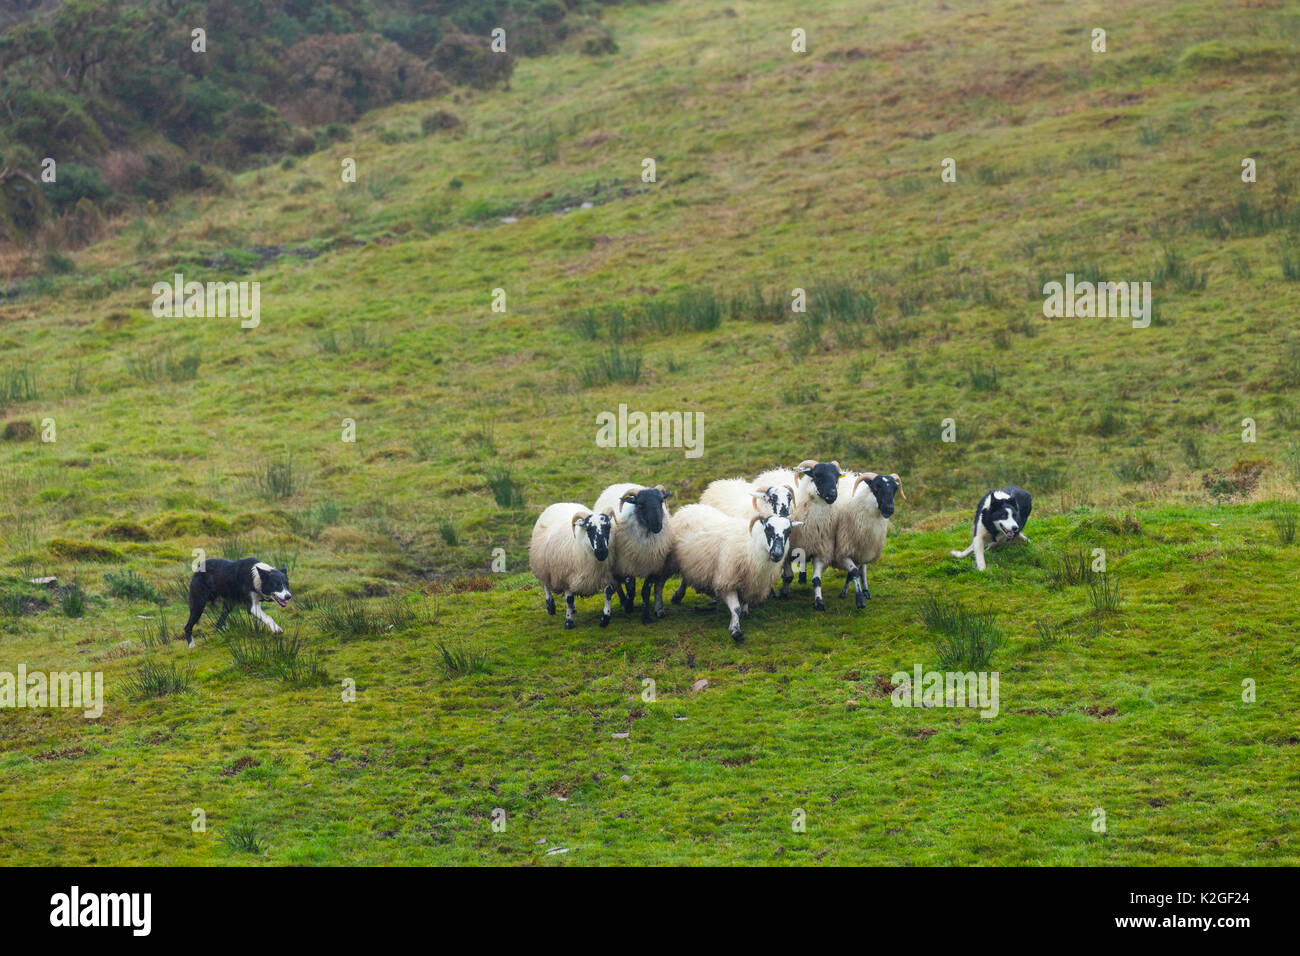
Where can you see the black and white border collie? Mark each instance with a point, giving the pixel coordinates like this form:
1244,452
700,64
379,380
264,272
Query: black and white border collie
246,582
1001,517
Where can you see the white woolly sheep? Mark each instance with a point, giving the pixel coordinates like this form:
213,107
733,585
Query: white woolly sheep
741,498
640,546
565,563
734,561
815,488
860,521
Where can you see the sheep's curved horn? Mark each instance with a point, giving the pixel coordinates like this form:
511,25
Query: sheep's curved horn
860,480
806,465
791,490
754,497
752,520
900,486
663,491
573,525
837,465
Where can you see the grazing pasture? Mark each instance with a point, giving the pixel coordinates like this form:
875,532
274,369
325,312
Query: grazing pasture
419,685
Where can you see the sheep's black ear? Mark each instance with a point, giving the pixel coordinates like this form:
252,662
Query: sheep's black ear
667,494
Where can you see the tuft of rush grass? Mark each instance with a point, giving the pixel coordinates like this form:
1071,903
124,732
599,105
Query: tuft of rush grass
257,650
460,661
1103,593
73,601
243,837
155,678
1283,516
346,618
614,364
506,489
965,640
278,478
130,586
1070,568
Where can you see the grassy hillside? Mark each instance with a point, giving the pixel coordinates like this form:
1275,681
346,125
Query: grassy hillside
775,171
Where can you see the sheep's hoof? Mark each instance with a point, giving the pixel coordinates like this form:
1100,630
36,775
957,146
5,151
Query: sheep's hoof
645,616
819,604
568,624
803,577
677,598
604,620
738,636
550,606
862,602
660,613
783,593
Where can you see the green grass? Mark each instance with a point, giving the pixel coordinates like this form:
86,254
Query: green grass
775,173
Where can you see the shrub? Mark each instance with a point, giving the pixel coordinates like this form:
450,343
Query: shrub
441,120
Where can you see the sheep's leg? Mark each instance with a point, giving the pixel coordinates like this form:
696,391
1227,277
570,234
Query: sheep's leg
550,600
568,611
787,575
646,587
679,593
864,592
819,565
659,596
609,593
627,598
733,602
850,570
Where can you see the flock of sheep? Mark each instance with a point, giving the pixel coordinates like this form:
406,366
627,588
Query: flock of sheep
733,545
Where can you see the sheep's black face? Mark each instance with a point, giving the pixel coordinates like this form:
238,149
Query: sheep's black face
825,477
776,530
884,487
648,507
598,529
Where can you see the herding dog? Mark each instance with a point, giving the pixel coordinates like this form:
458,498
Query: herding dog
247,582
1001,517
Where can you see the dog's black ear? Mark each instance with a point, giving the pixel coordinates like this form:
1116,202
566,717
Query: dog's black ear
285,571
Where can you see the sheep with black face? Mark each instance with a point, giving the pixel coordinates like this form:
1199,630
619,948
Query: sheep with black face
860,521
730,559
816,486
569,552
641,543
